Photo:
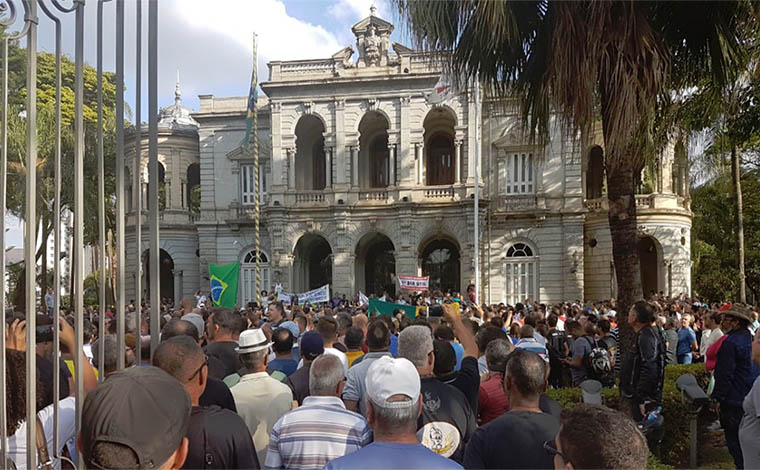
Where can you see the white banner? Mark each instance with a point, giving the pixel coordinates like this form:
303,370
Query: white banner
321,294
414,282
363,300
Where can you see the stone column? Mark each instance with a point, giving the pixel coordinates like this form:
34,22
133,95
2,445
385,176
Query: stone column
328,167
458,161
355,165
392,164
418,160
291,168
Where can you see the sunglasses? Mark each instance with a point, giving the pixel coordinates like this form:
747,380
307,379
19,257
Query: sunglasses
205,363
551,450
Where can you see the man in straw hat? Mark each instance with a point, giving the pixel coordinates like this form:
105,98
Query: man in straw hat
260,399
734,376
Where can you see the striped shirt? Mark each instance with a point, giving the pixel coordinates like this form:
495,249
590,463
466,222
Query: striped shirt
319,431
530,344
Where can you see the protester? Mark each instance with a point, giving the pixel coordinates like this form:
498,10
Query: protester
558,348
687,341
394,404
733,377
578,444
445,333
486,335
378,342
447,419
222,331
671,338
260,399
328,328
643,376
217,437
16,384
528,342
582,346
354,339
296,330
492,400
297,443
311,347
712,324
282,344
216,392
113,437
749,428
516,439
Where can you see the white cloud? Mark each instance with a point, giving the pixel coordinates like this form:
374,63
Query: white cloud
355,10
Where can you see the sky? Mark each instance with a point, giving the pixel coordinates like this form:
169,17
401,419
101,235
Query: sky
210,44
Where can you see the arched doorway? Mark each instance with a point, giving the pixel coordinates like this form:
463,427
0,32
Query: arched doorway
375,264
193,185
595,173
166,274
440,261
312,262
374,157
440,155
310,153
649,264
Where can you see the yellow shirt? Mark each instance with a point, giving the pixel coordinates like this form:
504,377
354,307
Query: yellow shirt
352,356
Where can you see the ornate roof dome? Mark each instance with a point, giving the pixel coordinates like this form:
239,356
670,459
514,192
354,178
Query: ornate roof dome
177,116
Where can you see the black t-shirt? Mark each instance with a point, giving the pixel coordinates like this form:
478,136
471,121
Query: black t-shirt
549,406
225,352
467,380
298,382
219,439
45,378
217,393
513,440
447,422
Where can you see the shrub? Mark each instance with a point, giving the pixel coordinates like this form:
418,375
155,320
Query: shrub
675,443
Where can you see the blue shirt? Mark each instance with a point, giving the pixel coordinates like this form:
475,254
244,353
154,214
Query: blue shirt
381,455
394,346
286,366
459,351
685,338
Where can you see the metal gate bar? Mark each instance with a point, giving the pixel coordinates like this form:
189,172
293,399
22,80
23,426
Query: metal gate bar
155,274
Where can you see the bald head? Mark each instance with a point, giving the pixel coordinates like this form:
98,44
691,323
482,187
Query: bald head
360,321
526,372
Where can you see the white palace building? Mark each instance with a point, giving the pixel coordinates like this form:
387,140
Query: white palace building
362,178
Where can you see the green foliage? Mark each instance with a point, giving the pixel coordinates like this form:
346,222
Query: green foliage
714,240
46,134
654,464
675,444
92,292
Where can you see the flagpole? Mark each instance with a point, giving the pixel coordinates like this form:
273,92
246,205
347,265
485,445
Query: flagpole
477,187
255,141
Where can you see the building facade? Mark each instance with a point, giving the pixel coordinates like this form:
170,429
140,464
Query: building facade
366,173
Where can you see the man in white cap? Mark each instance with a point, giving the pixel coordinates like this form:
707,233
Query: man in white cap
260,399
393,407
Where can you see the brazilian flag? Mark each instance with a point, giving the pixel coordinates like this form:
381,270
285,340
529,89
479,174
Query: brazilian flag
387,308
224,284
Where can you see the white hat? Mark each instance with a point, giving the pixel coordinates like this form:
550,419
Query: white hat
252,340
387,377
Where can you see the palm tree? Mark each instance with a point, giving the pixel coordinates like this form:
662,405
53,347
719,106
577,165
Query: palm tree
588,60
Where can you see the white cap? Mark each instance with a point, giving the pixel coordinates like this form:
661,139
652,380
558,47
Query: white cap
387,377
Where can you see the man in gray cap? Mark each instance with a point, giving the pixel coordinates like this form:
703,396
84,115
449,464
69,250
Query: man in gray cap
137,418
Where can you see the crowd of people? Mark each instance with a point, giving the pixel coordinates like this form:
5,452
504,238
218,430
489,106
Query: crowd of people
337,386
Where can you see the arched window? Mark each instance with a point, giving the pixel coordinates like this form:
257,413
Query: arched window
595,173
521,274
248,276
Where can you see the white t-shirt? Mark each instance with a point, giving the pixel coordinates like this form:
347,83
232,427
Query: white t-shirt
201,301
66,432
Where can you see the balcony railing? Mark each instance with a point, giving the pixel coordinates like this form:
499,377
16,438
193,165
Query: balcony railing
439,192
644,202
376,195
310,196
521,203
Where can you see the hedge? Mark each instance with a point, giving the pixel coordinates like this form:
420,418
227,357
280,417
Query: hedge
675,443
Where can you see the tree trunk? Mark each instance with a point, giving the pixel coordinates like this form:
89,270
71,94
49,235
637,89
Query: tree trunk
625,254
736,173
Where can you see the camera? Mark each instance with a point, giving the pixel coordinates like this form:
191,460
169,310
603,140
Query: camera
435,311
44,333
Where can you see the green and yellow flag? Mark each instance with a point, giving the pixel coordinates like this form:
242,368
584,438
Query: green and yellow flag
224,284
387,308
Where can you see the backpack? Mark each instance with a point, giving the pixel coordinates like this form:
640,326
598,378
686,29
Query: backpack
556,340
598,363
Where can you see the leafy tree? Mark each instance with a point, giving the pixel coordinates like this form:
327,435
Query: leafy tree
617,61
714,241
17,168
